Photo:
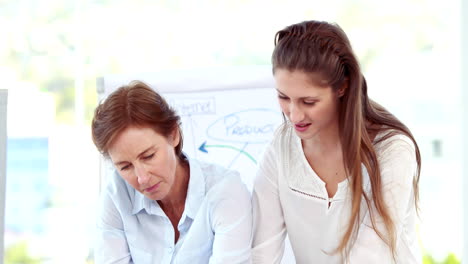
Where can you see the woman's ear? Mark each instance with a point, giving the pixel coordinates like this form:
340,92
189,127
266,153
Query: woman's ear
175,137
342,90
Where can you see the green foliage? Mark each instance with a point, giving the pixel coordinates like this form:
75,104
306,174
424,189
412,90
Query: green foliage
428,259
450,259
18,254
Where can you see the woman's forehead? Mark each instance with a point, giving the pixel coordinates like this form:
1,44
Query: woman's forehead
299,84
313,78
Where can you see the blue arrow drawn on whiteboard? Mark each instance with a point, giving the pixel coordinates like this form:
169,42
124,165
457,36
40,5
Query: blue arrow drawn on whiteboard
203,147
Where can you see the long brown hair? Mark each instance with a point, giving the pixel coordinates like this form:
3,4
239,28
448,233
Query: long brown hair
135,104
317,47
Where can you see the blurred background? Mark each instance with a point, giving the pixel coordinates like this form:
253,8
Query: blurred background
52,52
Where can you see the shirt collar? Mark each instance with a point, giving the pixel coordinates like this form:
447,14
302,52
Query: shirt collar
141,202
196,189
195,194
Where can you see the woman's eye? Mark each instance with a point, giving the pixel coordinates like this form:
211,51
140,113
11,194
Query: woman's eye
309,103
282,97
125,167
148,157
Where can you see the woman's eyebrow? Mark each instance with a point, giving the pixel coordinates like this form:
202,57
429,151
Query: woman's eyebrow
279,91
302,98
139,155
143,152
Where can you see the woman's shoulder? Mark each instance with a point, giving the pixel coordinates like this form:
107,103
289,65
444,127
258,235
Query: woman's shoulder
220,180
116,188
392,141
117,195
114,183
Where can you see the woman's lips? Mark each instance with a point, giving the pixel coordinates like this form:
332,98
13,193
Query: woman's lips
301,127
152,188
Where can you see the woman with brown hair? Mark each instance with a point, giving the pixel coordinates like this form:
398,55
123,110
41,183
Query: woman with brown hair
340,177
161,206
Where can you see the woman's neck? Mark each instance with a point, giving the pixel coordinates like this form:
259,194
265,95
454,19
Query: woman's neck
174,205
326,141
175,200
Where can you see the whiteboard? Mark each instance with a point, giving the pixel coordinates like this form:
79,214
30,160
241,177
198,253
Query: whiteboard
228,114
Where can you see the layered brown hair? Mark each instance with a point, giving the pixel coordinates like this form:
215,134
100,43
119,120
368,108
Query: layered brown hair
323,49
135,104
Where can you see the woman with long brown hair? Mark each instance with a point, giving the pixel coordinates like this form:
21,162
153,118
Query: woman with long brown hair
159,205
340,177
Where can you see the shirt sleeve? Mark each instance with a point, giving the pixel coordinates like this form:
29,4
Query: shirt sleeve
231,217
269,228
398,167
111,243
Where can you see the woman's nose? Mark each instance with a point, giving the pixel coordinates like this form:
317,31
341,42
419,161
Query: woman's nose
142,174
296,115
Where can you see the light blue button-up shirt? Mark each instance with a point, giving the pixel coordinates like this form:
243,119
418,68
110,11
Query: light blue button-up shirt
215,227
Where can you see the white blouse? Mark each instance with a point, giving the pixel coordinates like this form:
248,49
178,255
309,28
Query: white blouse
290,199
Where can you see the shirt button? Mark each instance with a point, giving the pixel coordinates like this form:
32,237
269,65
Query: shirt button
170,250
